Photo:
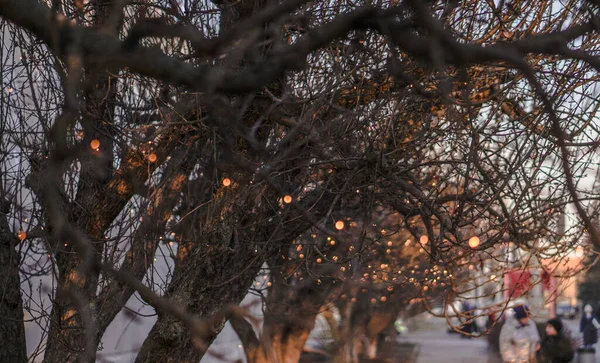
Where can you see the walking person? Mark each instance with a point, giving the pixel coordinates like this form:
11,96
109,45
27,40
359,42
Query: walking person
519,337
468,327
556,347
588,327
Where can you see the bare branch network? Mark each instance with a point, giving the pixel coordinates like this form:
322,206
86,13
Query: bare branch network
159,160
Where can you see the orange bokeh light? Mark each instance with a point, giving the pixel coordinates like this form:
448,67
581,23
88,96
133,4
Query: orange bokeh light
287,199
152,157
226,182
474,242
21,235
95,144
424,239
339,225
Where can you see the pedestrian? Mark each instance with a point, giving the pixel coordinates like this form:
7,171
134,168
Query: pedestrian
588,327
491,319
519,337
468,327
556,347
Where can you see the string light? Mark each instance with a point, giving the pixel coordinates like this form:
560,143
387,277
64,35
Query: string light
474,242
424,239
226,182
339,225
95,144
21,235
152,157
287,199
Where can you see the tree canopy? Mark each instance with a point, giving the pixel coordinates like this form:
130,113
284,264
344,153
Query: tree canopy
169,150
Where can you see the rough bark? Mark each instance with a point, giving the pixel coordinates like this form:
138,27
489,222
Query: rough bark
291,310
218,269
145,239
77,286
210,274
12,330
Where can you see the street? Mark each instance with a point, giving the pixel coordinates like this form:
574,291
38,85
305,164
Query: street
437,345
573,326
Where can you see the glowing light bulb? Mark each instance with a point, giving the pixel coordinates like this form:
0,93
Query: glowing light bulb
226,182
95,144
474,242
339,225
287,199
21,235
152,157
424,239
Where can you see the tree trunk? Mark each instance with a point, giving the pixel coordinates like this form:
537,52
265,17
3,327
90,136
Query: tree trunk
12,330
217,269
203,291
284,346
72,330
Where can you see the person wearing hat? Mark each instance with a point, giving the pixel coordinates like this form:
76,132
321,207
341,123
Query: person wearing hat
519,337
556,347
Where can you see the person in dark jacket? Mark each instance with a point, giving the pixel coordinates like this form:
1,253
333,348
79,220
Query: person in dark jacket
588,327
556,347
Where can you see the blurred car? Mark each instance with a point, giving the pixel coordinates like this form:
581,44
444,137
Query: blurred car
566,310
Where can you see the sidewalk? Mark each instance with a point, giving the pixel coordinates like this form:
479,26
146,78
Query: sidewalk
439,346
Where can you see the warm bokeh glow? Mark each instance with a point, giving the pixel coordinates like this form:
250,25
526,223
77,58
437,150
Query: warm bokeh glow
287,199
21,235
152,157
424,239
474,242
226,182
339,225
95,144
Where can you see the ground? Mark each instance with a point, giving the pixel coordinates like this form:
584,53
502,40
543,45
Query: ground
437,345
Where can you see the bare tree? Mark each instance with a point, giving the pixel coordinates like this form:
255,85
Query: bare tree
213,134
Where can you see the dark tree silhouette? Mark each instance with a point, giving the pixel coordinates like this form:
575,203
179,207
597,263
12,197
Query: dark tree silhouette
167,150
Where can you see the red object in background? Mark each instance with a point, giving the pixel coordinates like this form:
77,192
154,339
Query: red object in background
547,281
519,282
